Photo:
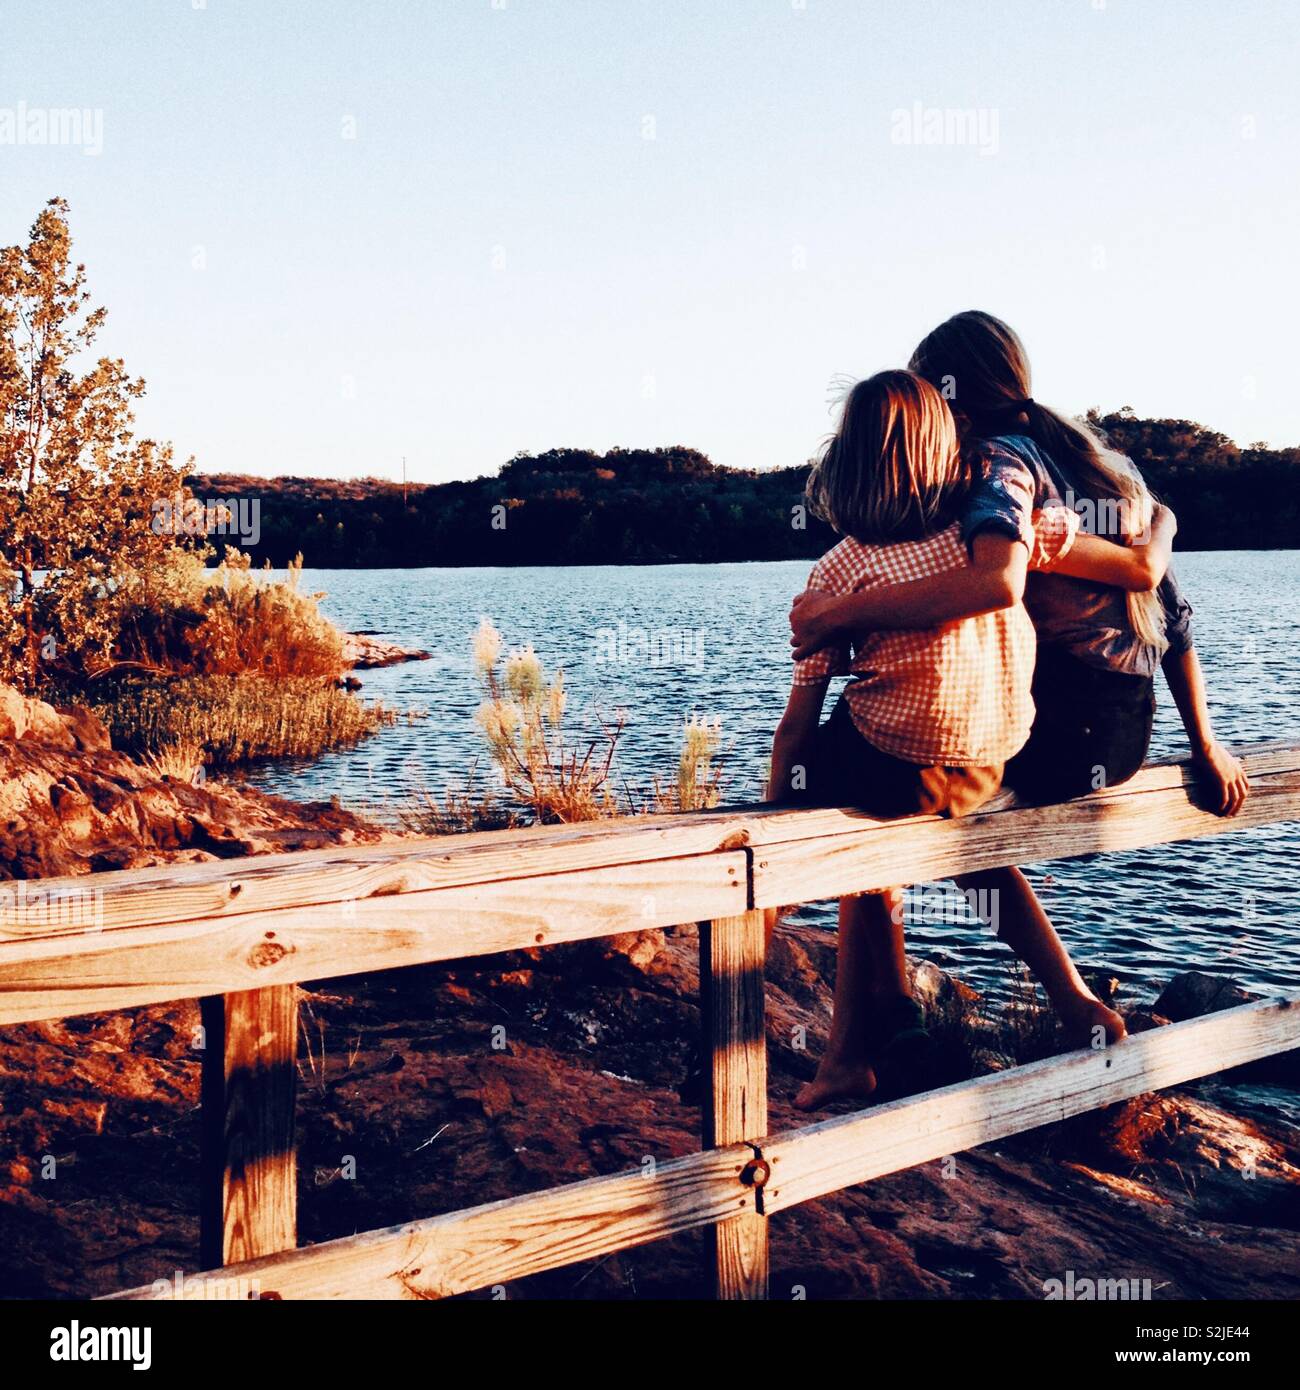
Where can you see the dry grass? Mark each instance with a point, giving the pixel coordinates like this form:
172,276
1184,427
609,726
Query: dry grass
223,666
1028,1030
233,719
456,811
548,776
182,761
522,718
1012,1031
312,1061
698,785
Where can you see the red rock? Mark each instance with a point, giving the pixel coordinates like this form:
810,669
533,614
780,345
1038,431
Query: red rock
364,651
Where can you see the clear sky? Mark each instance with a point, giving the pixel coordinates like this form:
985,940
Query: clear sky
330,234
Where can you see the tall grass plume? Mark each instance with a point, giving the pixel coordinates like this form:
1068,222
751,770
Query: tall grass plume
554,776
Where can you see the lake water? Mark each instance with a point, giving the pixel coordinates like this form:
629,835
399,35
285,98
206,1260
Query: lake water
718,641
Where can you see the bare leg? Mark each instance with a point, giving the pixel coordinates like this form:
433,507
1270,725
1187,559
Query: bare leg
871,967
1028,930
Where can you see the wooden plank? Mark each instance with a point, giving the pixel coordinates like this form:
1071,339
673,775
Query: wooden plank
822,1158
234,888
920,849
735,1101
780,824
78,972
94,972
300,878
248,1202
506,1240
524,1235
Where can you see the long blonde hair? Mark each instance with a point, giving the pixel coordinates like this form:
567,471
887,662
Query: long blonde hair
979,363
892,470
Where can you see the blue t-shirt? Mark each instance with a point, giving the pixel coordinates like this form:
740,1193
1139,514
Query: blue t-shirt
1088,620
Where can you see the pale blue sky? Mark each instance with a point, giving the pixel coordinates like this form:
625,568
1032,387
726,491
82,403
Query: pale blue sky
501,260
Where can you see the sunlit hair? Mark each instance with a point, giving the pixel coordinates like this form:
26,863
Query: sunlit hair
892,470
981,367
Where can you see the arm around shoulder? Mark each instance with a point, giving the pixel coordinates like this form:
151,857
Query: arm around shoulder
1138,568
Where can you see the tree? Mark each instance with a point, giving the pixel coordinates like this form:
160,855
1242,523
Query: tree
77,488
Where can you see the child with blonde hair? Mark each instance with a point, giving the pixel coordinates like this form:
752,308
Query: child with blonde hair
929,717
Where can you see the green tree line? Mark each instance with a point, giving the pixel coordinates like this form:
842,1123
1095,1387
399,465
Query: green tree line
653,506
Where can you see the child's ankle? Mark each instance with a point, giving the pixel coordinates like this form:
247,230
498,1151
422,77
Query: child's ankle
847,1054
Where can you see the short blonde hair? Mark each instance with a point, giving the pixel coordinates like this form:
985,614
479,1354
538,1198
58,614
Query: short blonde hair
892,471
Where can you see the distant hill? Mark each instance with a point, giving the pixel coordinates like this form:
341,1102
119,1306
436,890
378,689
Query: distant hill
652,506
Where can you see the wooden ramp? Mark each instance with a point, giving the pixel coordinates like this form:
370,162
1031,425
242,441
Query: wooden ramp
241,935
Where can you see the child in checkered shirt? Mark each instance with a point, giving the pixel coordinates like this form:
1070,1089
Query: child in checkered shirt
929,717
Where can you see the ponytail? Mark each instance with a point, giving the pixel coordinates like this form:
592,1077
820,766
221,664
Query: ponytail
1105,476
983,370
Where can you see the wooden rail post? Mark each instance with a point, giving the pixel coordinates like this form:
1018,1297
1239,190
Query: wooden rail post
735,1091
249,1200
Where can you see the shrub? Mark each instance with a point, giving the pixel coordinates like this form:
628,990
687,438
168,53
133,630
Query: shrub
184,619
698,786
522,717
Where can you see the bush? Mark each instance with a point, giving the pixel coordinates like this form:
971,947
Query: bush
184,619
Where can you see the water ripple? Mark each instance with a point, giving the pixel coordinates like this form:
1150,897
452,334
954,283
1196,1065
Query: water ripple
1227,905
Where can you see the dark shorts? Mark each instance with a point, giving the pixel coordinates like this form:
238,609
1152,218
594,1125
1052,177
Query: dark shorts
844,769
1092,729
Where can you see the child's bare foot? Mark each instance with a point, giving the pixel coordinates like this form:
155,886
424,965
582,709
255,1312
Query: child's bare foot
836,1081
1089,1023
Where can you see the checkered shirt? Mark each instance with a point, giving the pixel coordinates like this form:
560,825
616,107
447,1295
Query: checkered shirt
953,695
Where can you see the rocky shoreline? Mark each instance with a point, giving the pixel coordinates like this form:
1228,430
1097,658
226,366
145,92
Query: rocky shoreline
71,804
364,651
433,1088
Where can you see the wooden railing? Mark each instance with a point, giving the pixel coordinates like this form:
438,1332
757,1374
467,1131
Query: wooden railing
242,934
